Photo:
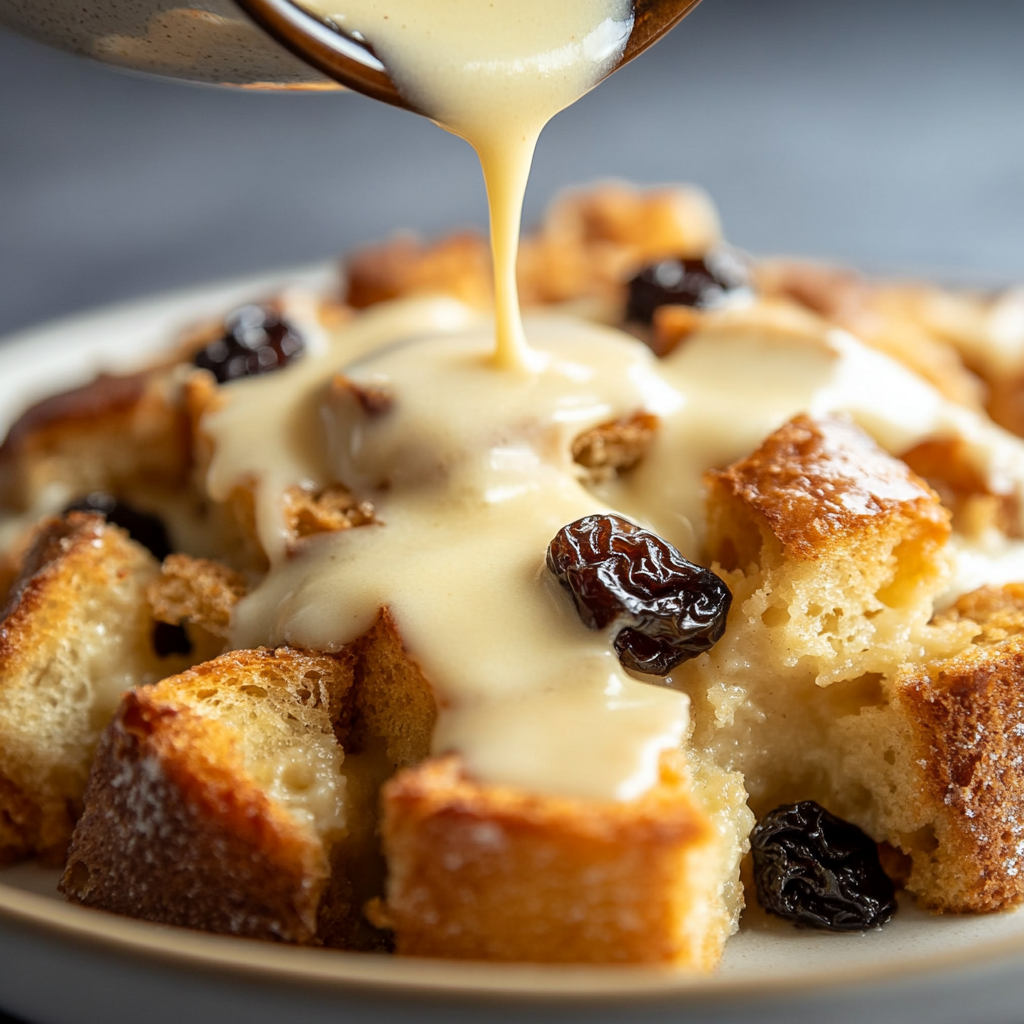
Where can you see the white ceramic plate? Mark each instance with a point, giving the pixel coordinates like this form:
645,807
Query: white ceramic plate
61,964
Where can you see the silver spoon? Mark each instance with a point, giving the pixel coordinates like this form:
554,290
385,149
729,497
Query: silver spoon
216,43
353,64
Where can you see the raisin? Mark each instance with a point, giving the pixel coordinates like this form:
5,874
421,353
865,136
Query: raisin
702,283
170,639
144,527
667,609
819,871
256,340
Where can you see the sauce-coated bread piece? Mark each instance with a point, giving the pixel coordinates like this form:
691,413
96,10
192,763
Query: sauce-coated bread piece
846,541
494,873
123,435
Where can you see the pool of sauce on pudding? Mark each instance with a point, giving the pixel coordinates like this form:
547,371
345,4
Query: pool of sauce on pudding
471,472
470,467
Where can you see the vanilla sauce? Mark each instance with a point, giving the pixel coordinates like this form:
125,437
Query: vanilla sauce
470,466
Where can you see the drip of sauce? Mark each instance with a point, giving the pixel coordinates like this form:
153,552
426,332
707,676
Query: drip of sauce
494,72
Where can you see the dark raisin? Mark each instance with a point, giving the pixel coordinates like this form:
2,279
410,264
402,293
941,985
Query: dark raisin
256,340
169,639
667,609
144,527
703,283
819,871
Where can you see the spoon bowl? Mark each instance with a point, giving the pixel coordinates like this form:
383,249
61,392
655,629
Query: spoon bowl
354,65
213,41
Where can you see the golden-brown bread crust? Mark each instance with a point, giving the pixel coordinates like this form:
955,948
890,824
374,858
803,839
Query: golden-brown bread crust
308,513
998,611
117,434
893,318
615,446
946,463
969,731
197,591
814,482
491,873
592,241
394,702
176,830
76,615
458,265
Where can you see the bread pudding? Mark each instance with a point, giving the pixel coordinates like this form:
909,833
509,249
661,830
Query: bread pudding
358,697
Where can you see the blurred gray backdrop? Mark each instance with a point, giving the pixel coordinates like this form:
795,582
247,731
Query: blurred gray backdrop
890,134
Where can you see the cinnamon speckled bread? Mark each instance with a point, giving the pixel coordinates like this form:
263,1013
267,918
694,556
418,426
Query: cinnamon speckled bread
218,800
77,631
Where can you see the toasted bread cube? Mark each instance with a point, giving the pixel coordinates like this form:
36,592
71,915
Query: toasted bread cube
196,590
489,872
947,465
567,854
459,265
846,544
77,632
943,762
117,434
592,241
218,801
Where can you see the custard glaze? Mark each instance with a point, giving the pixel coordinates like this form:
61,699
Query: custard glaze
471,472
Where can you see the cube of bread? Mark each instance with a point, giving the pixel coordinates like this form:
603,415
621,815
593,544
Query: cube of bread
845,543
219,801
198,595
77,632
938,770
692,828
117,434
897,319
395,706
459,265
946,463
488,872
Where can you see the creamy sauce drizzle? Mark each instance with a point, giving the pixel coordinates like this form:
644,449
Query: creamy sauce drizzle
472,476
470,469
494,72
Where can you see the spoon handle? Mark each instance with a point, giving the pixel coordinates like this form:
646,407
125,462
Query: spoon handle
327,49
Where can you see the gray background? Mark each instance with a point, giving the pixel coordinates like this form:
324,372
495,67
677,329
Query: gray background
886,133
